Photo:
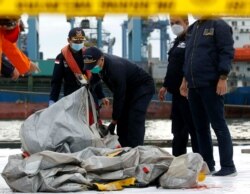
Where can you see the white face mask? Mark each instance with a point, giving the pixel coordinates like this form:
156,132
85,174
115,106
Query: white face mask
177,29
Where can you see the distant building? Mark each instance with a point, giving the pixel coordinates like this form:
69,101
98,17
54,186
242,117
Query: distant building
240,74
241,30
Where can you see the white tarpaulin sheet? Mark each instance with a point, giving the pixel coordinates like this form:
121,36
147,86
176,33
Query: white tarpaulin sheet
64,172
64,126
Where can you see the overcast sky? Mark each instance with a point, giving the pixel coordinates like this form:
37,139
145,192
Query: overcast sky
54,28
54,31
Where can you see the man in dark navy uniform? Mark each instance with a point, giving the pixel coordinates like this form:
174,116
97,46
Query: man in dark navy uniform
132,89
63,73
182,121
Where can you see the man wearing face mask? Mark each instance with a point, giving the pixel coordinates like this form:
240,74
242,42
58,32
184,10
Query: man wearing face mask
132,90
68,70
182,122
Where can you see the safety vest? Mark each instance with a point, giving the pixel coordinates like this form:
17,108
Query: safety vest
14,54
78,73
73,65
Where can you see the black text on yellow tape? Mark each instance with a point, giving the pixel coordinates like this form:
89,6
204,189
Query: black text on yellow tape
130,7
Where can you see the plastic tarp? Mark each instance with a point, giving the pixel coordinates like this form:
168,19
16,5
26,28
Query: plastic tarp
64,126
49,171
66,155
184,171
60,172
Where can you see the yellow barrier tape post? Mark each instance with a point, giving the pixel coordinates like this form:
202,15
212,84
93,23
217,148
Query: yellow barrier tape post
130,7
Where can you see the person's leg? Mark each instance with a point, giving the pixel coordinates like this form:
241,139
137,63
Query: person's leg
202,127
179,130
122,127
188,122
136,120
215,110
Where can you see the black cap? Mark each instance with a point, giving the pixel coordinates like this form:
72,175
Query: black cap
90,57
76,34
9,21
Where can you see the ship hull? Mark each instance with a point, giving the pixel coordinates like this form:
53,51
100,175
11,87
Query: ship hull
156,110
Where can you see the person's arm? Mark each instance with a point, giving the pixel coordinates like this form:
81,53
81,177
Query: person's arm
16,56
119,82
184,88
162,93
97,90
118,79
224,44
100,94
221,88
57,78
163,90
15,74
96,85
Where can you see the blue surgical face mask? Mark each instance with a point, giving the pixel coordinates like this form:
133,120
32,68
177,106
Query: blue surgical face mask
76,46
96,69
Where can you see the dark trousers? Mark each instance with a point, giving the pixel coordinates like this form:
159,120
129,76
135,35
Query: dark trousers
182,126
208,108
131,125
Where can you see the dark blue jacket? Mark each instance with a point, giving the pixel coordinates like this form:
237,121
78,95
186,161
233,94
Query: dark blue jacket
63,75
209,52
176,57
126,80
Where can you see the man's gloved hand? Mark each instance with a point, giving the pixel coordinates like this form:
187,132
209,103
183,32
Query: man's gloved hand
103,130
51,102
111,128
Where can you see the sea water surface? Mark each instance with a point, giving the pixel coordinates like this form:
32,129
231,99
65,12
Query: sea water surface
155,129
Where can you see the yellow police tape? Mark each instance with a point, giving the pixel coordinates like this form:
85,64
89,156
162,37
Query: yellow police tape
130,7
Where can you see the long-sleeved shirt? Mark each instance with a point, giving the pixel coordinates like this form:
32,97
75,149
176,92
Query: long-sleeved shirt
126,80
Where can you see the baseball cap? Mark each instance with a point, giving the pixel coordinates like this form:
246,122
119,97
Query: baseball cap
76,34
90,57
9,21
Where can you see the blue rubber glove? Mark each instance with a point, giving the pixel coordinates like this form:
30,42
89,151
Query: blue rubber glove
51,102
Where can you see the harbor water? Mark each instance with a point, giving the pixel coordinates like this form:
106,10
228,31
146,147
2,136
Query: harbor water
155,129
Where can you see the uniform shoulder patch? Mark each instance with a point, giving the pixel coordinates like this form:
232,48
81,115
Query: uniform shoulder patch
57,61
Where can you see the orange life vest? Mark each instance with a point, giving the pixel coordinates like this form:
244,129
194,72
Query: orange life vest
72,62
77,71
14,54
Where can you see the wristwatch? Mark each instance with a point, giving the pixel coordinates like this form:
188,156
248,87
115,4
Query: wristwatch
223,77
